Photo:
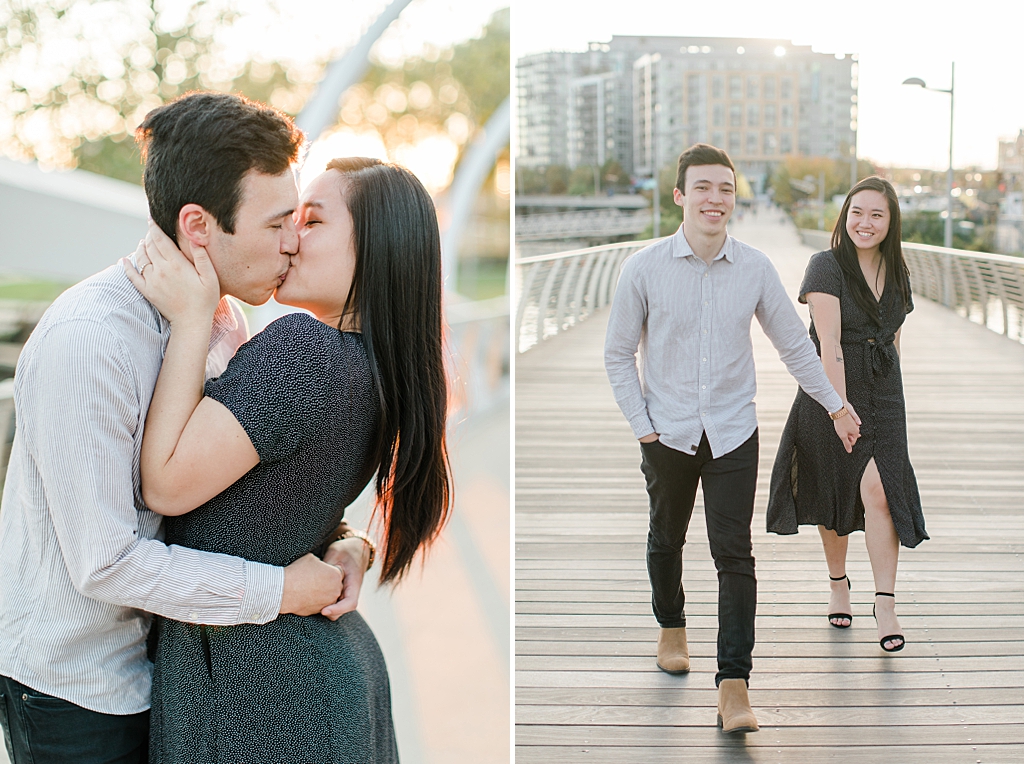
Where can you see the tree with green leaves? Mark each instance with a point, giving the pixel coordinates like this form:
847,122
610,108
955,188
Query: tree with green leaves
77,77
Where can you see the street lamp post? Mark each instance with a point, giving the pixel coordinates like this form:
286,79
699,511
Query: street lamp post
948,233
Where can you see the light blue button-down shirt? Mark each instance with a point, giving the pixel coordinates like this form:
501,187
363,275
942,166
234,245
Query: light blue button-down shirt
678,351
82,562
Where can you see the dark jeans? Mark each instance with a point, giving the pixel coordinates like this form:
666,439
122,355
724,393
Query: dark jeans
729,483
42,729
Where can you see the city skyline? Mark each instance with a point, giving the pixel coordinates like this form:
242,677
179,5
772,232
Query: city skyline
982,46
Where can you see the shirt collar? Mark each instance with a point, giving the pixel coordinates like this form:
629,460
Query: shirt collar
224,321
682,248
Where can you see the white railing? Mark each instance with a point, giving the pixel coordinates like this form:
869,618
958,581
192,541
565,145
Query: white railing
479,340
557,291
574,225
986,288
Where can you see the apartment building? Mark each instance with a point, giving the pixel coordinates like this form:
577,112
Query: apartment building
761,100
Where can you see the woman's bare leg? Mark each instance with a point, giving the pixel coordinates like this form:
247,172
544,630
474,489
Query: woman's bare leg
835,557
883,549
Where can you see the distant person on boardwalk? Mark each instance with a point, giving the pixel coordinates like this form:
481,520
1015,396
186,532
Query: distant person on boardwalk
683,307
858,294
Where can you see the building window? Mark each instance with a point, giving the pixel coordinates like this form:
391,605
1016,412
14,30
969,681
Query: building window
787,88
735,115
734,143
718,139
735,87
717,86
769,115
753,115
769,88
769,144
787,115
787,143
752,87
752,143
718,115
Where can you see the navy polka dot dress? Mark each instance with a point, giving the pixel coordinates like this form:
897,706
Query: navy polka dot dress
814,480
297,690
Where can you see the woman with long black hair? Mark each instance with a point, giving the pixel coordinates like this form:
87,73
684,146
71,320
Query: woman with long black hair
858,293
263,461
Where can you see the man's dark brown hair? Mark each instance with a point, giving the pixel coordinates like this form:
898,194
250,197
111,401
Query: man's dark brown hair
698,154
198,148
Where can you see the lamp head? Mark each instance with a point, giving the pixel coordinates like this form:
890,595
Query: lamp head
915,81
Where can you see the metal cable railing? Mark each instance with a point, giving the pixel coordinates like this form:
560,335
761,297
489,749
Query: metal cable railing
557,291
985,288
574,225
479,339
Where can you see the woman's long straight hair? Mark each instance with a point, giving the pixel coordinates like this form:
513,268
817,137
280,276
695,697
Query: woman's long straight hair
396,294
845,250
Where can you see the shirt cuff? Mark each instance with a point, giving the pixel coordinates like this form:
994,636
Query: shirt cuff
832,403
264,588
641,425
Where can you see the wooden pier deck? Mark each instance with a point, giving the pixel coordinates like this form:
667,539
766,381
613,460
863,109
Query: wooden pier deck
587,688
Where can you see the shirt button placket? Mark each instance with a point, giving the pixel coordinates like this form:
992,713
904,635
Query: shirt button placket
705,323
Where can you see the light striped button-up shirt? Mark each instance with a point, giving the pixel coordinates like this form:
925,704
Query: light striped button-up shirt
690,322
82,563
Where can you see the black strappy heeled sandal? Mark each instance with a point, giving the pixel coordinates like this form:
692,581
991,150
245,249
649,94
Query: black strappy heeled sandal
891,637
848,616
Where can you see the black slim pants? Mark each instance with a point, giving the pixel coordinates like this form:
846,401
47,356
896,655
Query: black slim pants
42,729
729,483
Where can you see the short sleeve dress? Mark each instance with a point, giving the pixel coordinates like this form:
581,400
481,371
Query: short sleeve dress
298,689
814,481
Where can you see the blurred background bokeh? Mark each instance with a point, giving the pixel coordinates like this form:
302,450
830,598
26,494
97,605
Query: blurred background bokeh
422,83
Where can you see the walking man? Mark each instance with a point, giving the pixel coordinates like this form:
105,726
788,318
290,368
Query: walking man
680,362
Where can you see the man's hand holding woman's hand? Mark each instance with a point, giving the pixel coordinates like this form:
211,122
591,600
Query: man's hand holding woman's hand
848,428
310,585
351,554
184,292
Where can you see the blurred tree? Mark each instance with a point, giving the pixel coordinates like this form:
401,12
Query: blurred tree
111,63
447,93
481,66
837,178
557,178
106,66
581,181
530,181
613,176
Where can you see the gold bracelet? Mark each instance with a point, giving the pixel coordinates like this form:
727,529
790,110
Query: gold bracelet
352,533
839,414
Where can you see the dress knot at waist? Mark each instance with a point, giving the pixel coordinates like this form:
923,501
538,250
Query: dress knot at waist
881,357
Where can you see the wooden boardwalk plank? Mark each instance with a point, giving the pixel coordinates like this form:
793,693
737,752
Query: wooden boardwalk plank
587,688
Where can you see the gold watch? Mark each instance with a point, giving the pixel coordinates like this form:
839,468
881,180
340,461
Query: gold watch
839,414
352,533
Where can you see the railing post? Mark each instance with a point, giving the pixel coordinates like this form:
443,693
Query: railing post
947,280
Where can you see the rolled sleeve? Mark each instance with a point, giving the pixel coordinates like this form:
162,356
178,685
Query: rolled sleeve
622,342
777,316
81,407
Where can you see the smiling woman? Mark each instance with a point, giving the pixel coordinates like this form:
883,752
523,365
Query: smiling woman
859,295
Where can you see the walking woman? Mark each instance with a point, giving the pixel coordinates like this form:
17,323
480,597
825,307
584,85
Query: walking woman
858,293
265,459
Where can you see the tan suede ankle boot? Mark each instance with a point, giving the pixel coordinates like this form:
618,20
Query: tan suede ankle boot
734,711
673,653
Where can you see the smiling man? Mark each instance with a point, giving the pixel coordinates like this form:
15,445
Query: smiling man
679,358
